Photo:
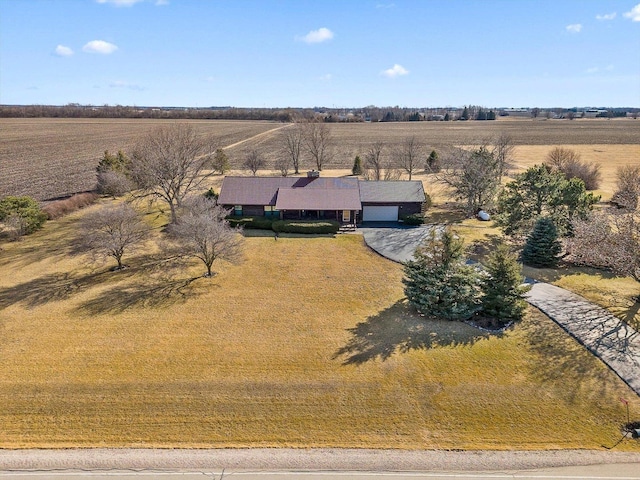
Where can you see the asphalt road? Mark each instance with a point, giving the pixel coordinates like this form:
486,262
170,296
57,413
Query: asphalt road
594,472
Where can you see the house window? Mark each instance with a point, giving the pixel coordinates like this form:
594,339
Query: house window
237,210
270,211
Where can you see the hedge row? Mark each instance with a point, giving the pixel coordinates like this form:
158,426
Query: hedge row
413,219
256,223
285,226
312,227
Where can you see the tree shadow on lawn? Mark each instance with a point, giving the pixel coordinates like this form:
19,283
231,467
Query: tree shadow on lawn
153,293
49,288
153,284
480,249
564,361
399,329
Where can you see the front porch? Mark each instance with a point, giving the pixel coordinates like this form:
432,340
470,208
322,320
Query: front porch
344,217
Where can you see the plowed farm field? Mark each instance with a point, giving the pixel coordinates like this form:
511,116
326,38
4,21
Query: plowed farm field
50,158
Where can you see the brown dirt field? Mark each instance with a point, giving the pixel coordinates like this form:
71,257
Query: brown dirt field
355,138
72,147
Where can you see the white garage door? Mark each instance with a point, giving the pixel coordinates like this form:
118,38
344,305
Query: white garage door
379,213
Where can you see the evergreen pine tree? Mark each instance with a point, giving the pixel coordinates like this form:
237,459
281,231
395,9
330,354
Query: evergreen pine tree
221,162
438,282
502,289
542,247
433,162
357,166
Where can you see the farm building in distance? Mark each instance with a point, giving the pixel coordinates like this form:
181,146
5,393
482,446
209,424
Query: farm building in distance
345,199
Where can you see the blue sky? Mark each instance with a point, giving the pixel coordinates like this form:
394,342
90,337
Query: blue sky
334,53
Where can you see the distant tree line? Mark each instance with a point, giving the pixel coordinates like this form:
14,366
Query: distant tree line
330,115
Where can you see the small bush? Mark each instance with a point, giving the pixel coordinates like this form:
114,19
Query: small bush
413,219
211,195
251,223
22,215
306,227
65,206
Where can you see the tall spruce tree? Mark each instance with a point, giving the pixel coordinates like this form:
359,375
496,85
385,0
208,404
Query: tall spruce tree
438,282
542,247
357,166
433,162
502,289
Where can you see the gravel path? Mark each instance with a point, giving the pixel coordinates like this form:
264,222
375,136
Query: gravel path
302,459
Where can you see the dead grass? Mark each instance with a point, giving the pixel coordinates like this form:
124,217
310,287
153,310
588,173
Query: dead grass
307,343
609,157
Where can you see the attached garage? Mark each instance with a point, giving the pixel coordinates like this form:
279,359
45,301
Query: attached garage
378,213
391,201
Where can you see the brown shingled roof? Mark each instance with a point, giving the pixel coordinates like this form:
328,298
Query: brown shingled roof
292,193
318,199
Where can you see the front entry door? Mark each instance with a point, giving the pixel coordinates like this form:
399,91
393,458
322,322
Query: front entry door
346,216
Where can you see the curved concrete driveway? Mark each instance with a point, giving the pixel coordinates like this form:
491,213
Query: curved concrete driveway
603,334
393,241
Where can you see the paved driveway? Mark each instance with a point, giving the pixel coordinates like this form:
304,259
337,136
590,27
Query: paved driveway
606,336
393,241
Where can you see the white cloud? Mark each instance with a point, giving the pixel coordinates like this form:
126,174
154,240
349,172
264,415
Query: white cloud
385,5
395,71
608,68
99,46
606,16
574,28
160,3
120,3
63,51
326,77
634,13
122,84
317,36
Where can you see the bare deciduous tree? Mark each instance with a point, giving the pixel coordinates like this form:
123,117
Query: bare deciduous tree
318,142
608,239
502,149
170,163
379,167
203,232
111,231
569,162
292,139
408,154
373,162
283,164
473,176
254,162
627,187
113,183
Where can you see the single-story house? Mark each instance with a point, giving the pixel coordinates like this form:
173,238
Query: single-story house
345,199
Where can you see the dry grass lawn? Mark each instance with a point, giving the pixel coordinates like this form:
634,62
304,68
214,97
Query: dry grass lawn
307,343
